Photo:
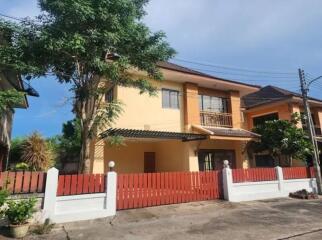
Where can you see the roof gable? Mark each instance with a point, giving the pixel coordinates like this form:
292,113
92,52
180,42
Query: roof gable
182,69
269,94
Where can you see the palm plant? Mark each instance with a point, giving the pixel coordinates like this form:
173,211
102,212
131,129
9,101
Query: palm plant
36,153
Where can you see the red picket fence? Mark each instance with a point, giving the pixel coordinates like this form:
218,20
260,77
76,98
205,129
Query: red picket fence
153,189
23,182
80,184
254,175
298,172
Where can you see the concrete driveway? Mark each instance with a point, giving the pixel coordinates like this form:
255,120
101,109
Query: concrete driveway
275,219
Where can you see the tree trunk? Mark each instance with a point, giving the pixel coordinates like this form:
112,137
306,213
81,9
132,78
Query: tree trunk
85,114
86,110
291,161
85,161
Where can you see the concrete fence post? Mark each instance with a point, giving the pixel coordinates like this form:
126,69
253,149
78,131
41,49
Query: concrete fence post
111,183
50,193
227,183
280,178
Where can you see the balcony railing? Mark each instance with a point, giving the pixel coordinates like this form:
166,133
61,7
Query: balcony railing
214,119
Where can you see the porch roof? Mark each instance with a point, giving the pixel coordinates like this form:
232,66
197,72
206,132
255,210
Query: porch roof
136,133
233,133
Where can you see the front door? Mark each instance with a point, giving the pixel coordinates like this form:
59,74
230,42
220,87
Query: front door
213,159
149,162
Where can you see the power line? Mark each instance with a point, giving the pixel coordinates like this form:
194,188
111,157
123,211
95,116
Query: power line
11,17
274,75
234,68
242,75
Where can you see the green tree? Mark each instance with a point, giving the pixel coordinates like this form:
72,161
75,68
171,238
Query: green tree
16,149
9,99
70,142
282,138
77,41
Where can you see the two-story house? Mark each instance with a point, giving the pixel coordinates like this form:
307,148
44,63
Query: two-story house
193,124
270,103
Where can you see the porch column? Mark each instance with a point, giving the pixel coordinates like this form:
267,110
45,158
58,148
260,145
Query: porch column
191,105
191,156
235,109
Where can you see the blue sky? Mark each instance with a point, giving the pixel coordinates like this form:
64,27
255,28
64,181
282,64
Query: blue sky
260,35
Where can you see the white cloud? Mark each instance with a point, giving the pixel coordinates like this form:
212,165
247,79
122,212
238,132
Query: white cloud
239,23
273,34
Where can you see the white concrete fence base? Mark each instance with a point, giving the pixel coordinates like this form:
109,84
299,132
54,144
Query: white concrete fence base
61,209
248,191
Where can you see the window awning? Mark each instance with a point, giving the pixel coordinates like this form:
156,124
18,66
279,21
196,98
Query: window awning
227,133
135,133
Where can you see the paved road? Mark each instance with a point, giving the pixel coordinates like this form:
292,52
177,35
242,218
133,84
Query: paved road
261,220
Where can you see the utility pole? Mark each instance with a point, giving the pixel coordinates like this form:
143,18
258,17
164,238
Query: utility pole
311,128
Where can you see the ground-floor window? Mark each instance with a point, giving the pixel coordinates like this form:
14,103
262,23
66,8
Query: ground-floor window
213,159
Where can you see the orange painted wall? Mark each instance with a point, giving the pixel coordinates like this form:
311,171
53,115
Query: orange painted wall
317,112
284,111
235,109
191,104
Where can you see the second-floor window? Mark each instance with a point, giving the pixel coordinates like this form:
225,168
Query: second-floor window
264,118
170,98
213,104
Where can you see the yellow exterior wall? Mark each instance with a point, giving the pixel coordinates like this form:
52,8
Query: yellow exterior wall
97,153
170,155
141,111
128,158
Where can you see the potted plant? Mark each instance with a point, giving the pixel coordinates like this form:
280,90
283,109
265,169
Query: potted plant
18,214
3,198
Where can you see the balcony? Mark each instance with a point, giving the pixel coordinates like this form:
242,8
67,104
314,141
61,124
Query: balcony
213,119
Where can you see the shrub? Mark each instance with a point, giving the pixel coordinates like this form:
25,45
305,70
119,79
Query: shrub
16,150
19,212
44,228
36,153
22,167
3,196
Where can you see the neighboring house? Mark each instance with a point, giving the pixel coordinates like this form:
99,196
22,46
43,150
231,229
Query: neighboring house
193,124
8,80
271,103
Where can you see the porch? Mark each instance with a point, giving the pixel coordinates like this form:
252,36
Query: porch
169,152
